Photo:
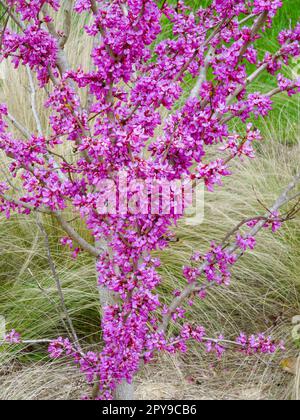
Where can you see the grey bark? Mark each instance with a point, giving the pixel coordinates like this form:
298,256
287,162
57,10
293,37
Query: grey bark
124,391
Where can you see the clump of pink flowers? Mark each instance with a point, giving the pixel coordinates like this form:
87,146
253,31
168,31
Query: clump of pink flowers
138,118
245,242
13,337
258,344
213,173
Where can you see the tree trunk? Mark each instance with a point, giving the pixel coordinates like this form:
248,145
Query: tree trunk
124,391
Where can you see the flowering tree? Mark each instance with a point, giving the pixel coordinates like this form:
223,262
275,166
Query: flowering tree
135,75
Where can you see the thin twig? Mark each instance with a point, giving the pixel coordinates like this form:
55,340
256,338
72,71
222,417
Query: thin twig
58,284
67,23
33,102
12,15
90,249
23,130
255,29
54,304
30,342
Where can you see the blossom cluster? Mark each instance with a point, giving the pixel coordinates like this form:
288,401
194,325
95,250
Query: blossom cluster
31,10
138,119
13,337
242,146
90,362
258,344
35,47
274,221
215,266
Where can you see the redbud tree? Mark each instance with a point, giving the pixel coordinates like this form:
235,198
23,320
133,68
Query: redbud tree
137,77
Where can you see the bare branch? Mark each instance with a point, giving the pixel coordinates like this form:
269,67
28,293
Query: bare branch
30,342
95,252
246,19
94,7
255,29
67,23
23,130
203,74
53,303
33,102
50,25
12,15
58,284
3,30
62,62
9,179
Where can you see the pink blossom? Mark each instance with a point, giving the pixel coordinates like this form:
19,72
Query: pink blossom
82,5
292,87
59,347
212,173
13,337
270,6
245,242
34,47
137,73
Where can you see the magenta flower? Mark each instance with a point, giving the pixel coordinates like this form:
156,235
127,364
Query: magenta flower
13,337
139,127
245,242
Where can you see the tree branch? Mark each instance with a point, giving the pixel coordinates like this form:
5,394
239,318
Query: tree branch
191,288
37,119
203,74
30,342
269,94
255,29
33,103
58,285
19,23
23,130
95,252
67,23
21,203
